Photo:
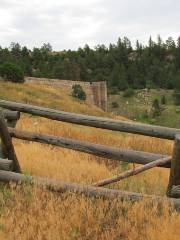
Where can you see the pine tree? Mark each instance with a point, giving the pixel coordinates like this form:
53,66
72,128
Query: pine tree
122,79
170,44
151,43
177,90
119,77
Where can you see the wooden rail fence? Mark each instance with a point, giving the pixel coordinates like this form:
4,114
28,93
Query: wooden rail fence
10,169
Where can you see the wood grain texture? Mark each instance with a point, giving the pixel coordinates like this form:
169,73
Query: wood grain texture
130,156
174,179
7,145
6,164
11,115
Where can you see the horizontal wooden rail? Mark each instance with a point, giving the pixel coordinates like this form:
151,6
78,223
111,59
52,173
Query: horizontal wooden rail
94,149
98,122
89,191
6,164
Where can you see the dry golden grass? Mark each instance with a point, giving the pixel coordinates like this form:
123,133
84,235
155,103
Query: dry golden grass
69,165
45,96
32,213
39,214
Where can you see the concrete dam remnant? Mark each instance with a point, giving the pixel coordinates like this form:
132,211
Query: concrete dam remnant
96,92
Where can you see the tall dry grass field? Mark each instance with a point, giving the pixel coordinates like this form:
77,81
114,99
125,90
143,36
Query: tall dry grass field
32,213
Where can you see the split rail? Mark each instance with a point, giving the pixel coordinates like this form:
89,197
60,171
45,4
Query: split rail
10,169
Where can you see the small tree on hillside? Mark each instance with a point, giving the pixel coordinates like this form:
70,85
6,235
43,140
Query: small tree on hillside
11,72
128,92
78,92
176,94
156,110
163,100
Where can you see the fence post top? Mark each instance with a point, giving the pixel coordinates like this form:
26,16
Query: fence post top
11,115
177,137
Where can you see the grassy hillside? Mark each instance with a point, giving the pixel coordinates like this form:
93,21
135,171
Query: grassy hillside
28,212
45,96
137,106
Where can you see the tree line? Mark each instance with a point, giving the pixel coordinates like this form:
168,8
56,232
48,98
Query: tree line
122,66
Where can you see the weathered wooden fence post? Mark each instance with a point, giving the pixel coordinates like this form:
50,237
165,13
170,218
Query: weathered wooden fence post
174,179
11,118
7,145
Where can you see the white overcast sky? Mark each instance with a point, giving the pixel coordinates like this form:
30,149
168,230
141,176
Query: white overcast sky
68,24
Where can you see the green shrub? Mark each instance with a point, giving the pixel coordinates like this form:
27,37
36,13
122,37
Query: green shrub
113,90
11,72
156,110
78,92
115,105
176,96
177,111
176,93
163,100
128,93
